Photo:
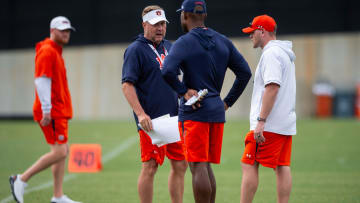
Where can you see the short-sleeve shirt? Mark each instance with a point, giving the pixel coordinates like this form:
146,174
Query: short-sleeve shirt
276,66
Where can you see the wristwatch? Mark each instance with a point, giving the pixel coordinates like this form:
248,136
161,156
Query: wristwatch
261,119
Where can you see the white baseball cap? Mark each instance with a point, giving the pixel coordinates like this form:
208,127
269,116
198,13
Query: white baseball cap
155,16
61,23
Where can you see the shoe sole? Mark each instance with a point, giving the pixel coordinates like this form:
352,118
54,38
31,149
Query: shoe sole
11,180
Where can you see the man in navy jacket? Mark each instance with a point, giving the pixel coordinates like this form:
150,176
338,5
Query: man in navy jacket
150,97
203,55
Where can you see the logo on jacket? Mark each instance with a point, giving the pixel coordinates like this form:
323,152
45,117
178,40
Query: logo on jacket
161,60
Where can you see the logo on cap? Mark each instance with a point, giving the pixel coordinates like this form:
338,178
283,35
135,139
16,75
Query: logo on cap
61,23
261,22
154,16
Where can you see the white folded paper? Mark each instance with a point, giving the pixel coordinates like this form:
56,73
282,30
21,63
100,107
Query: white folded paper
165,130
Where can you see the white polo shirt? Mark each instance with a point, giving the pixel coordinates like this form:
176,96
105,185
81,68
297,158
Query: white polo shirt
276,65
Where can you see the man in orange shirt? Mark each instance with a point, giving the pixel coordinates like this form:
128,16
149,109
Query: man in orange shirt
52,109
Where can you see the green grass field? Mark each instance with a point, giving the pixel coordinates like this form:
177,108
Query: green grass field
325,163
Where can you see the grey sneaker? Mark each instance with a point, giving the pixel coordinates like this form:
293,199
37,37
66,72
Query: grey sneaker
63,199
17,188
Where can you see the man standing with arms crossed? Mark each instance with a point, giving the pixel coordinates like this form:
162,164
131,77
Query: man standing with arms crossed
52,110
203,56
150,97
272,115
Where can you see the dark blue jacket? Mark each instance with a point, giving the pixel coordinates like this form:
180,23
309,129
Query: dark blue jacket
203,55
142,68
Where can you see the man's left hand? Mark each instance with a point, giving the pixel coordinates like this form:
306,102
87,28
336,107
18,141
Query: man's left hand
190,93
46,119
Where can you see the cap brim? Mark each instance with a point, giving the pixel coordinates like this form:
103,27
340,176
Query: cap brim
248,30
66,28
156,20
179,10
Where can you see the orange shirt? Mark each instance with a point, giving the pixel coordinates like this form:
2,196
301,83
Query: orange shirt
49,63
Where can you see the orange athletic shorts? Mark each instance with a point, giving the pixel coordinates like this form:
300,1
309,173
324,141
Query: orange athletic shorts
202,141
149,151
56,131
275,151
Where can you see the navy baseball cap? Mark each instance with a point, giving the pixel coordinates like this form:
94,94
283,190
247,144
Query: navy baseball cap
193,6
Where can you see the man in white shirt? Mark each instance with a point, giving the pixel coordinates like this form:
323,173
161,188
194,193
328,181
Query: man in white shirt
272,114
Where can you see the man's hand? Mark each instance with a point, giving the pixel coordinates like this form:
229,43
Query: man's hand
190,93
226,106
46,119
145,122
258,132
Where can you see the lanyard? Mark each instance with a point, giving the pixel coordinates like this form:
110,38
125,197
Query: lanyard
157,53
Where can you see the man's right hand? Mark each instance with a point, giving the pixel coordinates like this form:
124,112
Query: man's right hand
259,132
145,122
46,119
226,106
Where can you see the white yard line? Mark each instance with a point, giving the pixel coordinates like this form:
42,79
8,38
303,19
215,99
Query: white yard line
106,158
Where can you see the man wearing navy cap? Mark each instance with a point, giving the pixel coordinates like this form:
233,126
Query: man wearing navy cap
203,55
150,97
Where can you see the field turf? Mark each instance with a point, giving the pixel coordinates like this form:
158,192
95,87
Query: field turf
325,163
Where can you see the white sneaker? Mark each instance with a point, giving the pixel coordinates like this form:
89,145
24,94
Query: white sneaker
17,188
63,199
